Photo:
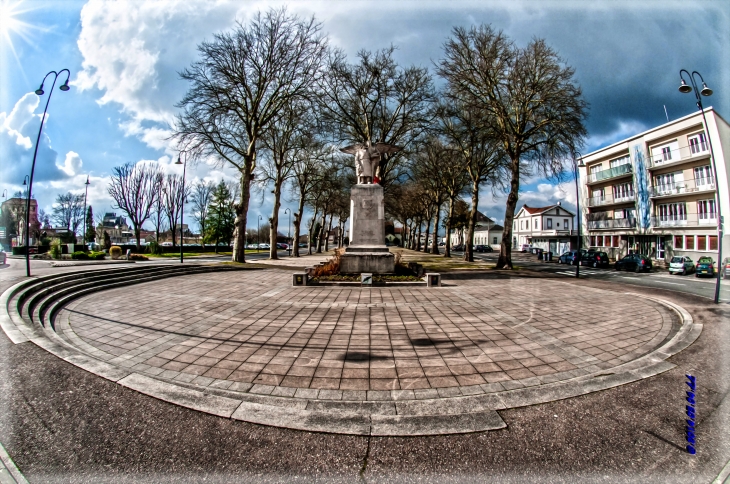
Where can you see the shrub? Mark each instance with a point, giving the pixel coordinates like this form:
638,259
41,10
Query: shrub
56,250
154,248
115,252
329,268
79,255
138,257
97,255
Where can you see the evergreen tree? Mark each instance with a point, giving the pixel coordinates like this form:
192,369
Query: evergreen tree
221,219
90,235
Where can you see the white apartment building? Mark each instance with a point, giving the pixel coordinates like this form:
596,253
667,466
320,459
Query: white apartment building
549,228
655,192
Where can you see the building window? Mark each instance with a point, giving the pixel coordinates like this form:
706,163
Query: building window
593,240
678,242
703,176
616,241
535,223
690,242
494,240
566,224
665,153
596,168
706,209
701,242
672,212
713,242
619,161
624,190
697,143
549,223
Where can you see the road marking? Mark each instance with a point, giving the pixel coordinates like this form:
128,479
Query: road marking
672,283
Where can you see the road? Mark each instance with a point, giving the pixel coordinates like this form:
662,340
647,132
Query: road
660,279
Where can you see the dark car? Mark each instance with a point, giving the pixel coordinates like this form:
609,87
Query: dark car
458,247
705,267
483,248
571,256
595,259
634,262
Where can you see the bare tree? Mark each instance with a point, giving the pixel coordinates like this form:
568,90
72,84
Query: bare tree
241,84
158,216
307,171
201,197
174,197
68,211
135,189
526,97
376,100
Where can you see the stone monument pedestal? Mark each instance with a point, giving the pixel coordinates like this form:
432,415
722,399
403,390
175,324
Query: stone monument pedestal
367,251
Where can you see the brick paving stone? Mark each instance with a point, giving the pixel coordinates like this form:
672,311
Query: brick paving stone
352,340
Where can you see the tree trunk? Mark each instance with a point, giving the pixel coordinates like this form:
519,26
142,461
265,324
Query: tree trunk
447,250
327,233
469,245
435,247
239,236
321,230
137,231
505,250
274,220
298,226
311,229
428,231
418,238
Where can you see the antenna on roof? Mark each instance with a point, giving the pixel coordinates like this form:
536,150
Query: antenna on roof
665,113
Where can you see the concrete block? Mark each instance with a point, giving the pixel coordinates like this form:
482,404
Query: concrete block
299,279
433,279
366,279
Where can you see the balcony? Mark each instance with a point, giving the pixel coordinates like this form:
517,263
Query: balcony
617,223
675,157
610,199
685,220
697,185
615,172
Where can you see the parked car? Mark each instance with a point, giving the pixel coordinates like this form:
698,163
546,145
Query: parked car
3,257
458,247
725,268
252,246
283,246
526,248
705,267
570,257
303,246
483,248
681,265
264,246
594,259
634,262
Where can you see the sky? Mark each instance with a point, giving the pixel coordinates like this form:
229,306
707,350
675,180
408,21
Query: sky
124,58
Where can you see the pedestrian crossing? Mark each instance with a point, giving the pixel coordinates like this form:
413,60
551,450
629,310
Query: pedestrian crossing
587,272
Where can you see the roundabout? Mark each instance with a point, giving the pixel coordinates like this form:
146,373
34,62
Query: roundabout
366,361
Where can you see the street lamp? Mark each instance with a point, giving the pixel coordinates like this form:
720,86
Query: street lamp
40,92
85,195
706,91
288,235
182,202
258,234
577,207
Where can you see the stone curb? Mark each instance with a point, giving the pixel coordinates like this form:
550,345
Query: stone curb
9,472
382,413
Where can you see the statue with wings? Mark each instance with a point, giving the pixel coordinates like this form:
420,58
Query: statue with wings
367,158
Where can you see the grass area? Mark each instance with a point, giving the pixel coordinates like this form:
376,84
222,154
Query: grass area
439,263
173,255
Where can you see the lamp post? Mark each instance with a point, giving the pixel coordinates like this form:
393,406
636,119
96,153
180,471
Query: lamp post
86,193
706,91
24,223
288,235
182,202
577,207
258,234
40,92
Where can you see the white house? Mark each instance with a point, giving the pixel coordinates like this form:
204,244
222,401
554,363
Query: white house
549,228
486,232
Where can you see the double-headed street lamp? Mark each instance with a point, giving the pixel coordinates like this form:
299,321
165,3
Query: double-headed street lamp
40,92
182,201
86,193
576,165
684,88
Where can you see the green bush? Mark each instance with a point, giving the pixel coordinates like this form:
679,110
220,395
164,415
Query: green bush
80,255
97,255
115,252
56,250
137,257
154,248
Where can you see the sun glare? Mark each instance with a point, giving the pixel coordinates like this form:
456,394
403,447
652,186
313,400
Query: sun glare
11,24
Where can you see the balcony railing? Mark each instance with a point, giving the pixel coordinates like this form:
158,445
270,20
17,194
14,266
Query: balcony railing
617,223
680,188
675,156
685,220
614,172
610,199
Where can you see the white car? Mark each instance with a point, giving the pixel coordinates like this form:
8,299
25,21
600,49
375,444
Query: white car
3,257
681,265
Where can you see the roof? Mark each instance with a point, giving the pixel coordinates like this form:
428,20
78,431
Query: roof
539,210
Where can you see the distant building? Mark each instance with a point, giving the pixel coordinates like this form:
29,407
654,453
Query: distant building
12,222
117,228
549,228
486,232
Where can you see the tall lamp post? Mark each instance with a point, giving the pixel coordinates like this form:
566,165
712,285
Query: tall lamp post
706,91
288,235
576,165
40,92
25,224
86,193
258,234
182,202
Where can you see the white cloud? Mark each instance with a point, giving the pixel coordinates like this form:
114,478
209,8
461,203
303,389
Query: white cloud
71,164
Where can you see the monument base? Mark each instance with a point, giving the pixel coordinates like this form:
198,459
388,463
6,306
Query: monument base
358,261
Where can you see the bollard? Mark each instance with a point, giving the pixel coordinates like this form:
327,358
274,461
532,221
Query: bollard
366,279
691,412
